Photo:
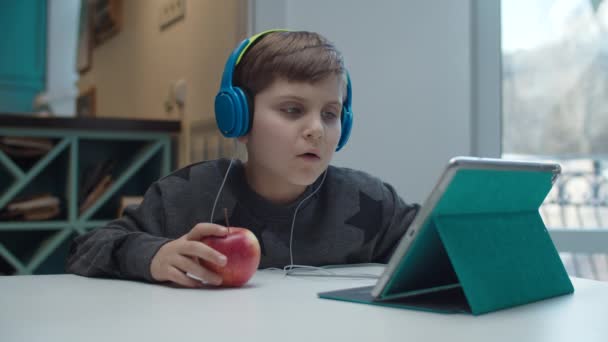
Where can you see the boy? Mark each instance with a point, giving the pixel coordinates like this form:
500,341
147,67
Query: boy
300,208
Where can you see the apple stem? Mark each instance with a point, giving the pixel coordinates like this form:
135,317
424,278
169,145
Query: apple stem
226,218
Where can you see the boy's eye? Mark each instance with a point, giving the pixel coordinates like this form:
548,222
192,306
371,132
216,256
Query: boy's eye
291,110
329,115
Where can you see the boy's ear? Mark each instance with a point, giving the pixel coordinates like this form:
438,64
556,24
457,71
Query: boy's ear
243,139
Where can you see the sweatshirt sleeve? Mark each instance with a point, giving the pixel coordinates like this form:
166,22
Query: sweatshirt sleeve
397,217
124,247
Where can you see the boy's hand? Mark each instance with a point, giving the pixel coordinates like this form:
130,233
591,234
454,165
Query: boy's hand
178,257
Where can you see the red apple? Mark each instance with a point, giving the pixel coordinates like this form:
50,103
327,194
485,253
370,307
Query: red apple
242,249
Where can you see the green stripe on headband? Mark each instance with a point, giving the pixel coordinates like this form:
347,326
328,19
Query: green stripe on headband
254,38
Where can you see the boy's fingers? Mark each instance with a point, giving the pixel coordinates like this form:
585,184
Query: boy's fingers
205,229
188,266
200,250
180,278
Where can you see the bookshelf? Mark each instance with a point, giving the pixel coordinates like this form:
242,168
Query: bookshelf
141,151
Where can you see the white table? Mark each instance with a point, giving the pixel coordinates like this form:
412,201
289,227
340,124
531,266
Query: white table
272,308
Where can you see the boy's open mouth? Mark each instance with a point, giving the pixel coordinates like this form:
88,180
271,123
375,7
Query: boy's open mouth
309,155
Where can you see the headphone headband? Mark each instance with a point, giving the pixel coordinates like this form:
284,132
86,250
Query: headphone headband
238,53
232,112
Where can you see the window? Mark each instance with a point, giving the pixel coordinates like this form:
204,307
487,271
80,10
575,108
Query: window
555,107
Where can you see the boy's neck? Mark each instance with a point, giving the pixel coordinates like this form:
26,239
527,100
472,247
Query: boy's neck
272,188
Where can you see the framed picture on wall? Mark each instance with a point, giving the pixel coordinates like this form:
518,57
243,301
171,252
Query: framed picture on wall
107,19
86,103
84,55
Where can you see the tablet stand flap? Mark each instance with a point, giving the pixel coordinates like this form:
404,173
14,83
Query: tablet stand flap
502,259
446,300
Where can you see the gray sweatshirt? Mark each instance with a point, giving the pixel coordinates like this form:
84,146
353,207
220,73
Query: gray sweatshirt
352,218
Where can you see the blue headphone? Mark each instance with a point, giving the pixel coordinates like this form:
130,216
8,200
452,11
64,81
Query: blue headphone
232,108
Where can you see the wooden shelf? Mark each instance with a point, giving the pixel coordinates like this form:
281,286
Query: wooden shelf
90,124
143,149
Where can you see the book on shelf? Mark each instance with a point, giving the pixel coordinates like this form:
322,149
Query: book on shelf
32,208
97,191
92,176
25,147
127,201
39,143
33,203
41,213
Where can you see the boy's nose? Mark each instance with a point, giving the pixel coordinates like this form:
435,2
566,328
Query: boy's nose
314,135
315,129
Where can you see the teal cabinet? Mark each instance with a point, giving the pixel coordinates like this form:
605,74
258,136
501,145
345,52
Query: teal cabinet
140,151
22,53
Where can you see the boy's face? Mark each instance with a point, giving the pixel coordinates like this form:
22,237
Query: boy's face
295,131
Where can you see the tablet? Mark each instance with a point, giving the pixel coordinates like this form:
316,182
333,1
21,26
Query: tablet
402,275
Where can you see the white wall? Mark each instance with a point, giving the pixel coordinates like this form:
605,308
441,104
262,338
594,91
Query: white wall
134,71
425,80
61,75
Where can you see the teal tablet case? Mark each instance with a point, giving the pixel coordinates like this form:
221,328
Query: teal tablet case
483,248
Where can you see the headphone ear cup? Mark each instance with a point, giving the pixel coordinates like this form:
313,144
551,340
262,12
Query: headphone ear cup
226,107
244,111
347,124
232,112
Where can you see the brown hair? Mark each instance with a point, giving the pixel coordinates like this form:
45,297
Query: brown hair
296,56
